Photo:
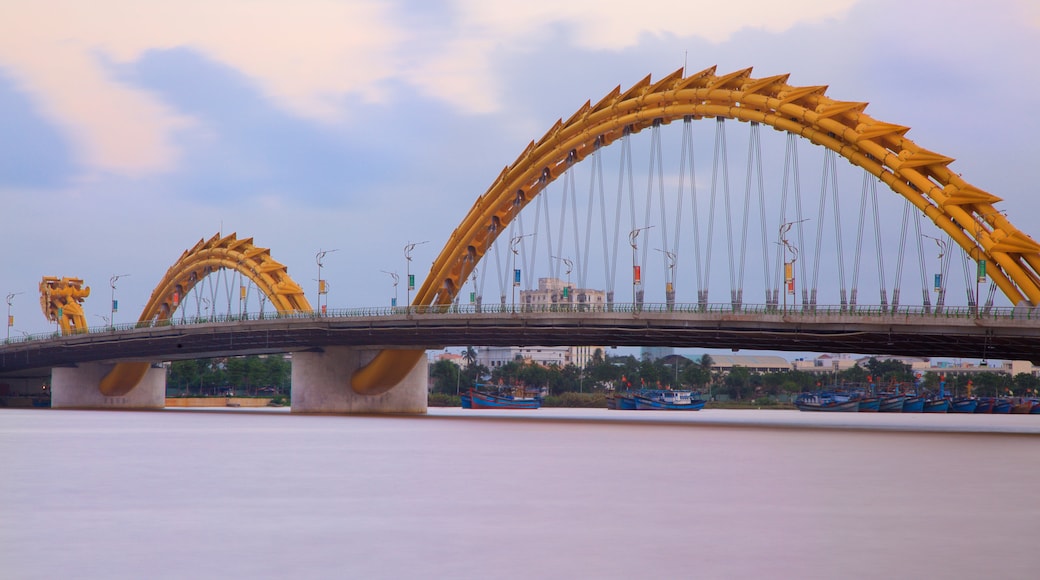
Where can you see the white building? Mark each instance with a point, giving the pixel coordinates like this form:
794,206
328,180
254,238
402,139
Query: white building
550,292
496,356
553,291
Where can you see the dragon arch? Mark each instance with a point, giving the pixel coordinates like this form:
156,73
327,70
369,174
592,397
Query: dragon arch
960,209
208,256
62,303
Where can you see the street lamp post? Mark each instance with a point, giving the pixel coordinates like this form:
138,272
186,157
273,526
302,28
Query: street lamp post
396,279
980,272
566,294
10,319
112,282
637,279
408,271
787,248
323,287
513,243
669,286
940,284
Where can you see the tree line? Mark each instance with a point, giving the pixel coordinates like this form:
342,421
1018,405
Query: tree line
271,375
606,373
247,375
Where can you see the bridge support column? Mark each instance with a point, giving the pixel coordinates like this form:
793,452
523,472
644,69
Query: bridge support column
321,384
77,388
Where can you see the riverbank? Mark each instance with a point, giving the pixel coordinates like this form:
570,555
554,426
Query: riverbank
219,402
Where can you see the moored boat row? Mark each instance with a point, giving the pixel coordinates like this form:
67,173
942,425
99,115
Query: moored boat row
655,400
902,403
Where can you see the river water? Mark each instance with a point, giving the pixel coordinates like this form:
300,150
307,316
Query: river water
551,493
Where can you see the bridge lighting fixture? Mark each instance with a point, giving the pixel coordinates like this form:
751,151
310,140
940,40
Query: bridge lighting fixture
408,248
791,249
637,279
323,287
396,279
10,318
513,247
115,305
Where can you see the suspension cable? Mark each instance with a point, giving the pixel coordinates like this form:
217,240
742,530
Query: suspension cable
859,239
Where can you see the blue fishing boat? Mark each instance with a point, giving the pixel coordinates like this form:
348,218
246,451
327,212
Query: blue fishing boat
937,406
827,402
892,403
964,405
482,400
913,405
869,405
622,401
668,401
1036,407
626,402
985,406
1001,406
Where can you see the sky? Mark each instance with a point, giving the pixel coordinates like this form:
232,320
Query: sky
130,130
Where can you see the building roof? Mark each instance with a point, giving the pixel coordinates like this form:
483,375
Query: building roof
750,361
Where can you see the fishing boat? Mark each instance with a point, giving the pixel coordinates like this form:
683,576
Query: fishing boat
936,406
827,402
621,401
624,401
1002,407
985,405
667,401
913,404
483,400
1023,407
892,403
869,405
964,405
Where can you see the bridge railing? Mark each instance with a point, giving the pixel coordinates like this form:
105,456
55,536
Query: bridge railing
715,309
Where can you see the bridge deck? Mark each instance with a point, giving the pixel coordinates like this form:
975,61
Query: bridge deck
905,334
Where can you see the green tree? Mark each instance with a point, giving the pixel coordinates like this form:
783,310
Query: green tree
1026,384
446,377
738,381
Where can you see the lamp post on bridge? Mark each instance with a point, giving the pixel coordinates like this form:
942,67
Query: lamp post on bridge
940,284
637,278
10,319
513,243
566,289
408,271
980,272
323,286
115,306
396,279
788,248
669,286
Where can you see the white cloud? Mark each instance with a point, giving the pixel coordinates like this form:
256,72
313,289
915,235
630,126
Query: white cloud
305,54
614,25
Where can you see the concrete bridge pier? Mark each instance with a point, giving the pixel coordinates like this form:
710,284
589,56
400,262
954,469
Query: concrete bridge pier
78,388
321,384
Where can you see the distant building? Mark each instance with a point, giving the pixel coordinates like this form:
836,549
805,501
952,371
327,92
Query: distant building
655,352
551,292
496,356
756,364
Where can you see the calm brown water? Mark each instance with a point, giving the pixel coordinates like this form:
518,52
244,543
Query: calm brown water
544,494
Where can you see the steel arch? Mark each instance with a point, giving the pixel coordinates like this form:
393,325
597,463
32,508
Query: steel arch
962,210
206,257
